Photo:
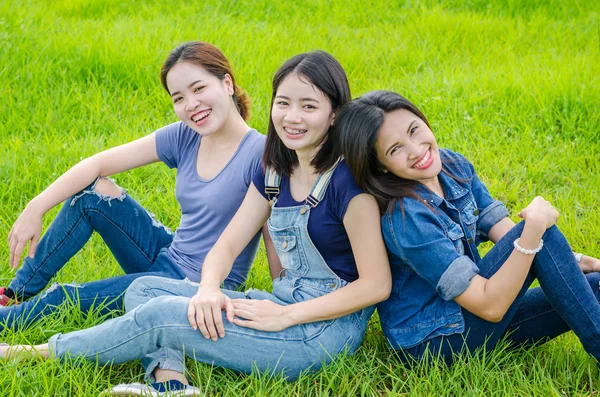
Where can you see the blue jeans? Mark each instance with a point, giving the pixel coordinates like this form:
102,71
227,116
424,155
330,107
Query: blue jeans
566,300
135,238
161,323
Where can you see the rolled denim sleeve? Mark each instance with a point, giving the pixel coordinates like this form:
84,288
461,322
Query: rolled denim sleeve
491,215
420,239
457,278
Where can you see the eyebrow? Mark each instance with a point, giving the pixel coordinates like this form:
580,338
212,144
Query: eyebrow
301,99
191,84
395,143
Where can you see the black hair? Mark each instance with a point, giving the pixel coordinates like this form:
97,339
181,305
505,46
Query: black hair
358,125
325,73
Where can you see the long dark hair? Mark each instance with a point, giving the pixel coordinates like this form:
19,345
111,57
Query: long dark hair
325,73
358,125
211,59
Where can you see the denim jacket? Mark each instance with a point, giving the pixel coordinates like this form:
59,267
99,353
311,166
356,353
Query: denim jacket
433,253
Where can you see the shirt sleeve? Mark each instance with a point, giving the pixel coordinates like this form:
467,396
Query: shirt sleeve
416,235
345,189
258,179
491,211
168,143
256,162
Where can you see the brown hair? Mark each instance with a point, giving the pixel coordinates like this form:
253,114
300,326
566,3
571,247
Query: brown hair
211,59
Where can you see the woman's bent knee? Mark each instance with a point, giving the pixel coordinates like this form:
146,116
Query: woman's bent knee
107,187
102,188
142,289
136,293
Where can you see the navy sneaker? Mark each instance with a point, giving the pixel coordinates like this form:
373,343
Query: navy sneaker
5,299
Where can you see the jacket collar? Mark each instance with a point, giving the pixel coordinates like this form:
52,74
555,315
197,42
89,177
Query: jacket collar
453,190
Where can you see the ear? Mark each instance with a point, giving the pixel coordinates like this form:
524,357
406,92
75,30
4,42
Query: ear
228,84
332,119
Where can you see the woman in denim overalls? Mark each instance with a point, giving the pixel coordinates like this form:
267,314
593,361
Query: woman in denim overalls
319,308
446,298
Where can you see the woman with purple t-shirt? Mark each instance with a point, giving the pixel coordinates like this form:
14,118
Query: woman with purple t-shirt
216,155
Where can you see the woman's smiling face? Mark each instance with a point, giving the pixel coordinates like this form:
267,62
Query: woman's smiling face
200,99
407,148
301,114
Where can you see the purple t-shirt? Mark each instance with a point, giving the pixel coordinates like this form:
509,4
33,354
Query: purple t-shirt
207,206
325,224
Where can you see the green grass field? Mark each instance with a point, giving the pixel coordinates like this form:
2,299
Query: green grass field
512,84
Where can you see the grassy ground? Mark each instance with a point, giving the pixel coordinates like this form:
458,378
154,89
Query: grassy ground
512,84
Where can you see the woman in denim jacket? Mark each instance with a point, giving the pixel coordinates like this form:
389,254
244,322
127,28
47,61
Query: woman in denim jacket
330,270
436,211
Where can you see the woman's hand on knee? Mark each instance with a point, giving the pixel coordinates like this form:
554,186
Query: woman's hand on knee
541,212
205,312
27,228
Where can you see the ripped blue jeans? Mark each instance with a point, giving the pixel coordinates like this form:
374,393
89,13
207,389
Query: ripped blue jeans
135,238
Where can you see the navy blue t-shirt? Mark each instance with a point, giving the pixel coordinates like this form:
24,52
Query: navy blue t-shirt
325,224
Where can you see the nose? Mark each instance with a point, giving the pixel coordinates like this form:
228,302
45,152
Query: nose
292,116
414,149
192,104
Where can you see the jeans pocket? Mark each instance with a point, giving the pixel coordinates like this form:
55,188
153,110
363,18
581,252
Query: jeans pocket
316,329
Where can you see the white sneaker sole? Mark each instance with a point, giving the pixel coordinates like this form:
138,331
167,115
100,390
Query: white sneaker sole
140,389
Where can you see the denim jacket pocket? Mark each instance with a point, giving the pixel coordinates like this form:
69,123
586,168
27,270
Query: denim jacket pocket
456,234
470,213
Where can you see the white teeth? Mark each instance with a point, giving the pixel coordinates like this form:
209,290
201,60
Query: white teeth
424,160
199,116
294,131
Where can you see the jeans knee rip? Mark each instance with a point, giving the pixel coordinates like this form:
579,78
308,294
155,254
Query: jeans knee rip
102,197
190,282
55,286
157,223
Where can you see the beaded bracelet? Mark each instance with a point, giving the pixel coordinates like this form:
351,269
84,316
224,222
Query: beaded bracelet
526,251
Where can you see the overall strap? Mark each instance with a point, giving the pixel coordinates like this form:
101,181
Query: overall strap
320,187
272,183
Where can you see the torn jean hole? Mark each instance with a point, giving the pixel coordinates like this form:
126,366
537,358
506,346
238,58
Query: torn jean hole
55,286
157,223
101,197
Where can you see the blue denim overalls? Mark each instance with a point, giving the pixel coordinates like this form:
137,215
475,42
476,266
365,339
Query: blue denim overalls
161,323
